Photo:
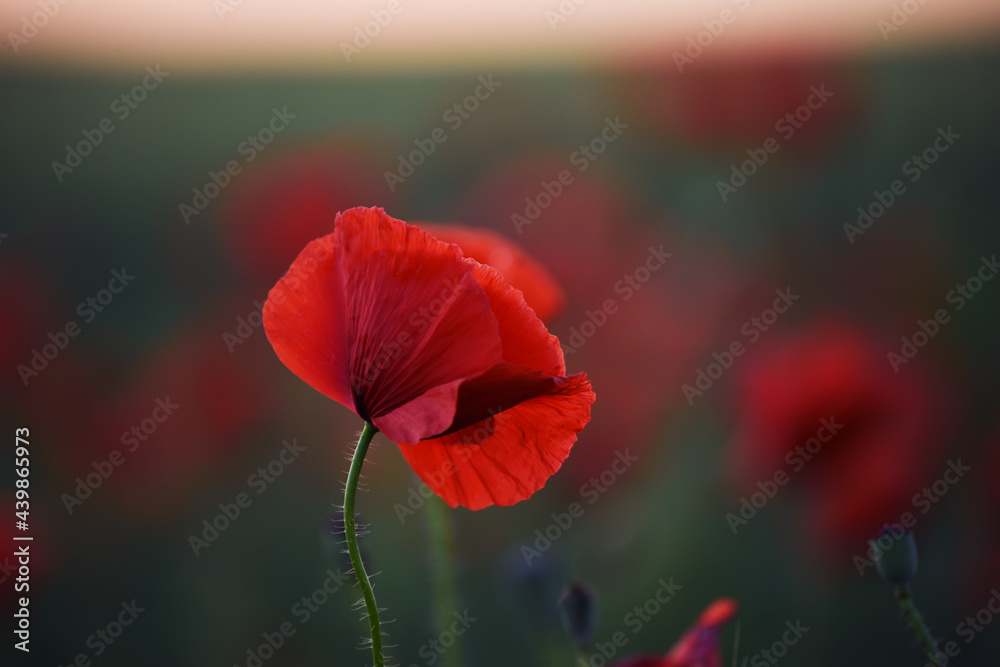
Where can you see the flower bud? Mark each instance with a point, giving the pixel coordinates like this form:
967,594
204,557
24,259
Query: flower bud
578,611
531,586
895,554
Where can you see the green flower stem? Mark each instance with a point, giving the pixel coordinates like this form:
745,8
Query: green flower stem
917,622
442,557
350,529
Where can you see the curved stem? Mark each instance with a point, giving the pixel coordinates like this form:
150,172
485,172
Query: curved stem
350,529
917,623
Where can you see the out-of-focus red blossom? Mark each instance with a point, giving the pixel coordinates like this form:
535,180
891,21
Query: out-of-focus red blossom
435,350
273,209
24,308
740,103
589,237
214,399
889,445
699,647
540,289
33,311
26,312
576,236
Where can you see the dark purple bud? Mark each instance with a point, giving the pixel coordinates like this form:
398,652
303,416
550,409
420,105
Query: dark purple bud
531,581
578,611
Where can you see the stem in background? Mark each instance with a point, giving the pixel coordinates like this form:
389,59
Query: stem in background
917,623
350,529
442,561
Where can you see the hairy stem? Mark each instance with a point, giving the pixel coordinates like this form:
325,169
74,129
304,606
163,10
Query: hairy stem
350,529
917,623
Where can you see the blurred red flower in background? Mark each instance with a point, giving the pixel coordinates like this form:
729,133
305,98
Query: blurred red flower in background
742,105
699,647
856,439
25,349
186,409
277,207
26,308
435,350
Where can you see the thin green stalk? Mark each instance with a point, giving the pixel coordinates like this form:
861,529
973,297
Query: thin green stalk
442,557
917,622
350,529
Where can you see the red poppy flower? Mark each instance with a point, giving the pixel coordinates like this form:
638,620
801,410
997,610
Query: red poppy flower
540,289
857,440
699,647
435,350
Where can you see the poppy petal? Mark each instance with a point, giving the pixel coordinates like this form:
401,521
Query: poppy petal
698,647
432,412
500,388
526,341
541,291
643,661
508,457
416,318
304,322
700,644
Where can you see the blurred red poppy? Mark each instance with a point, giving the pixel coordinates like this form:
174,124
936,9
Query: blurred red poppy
435,350
27,309
25,345
540,289
741,105
277,207
699,647
859,440
186,409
